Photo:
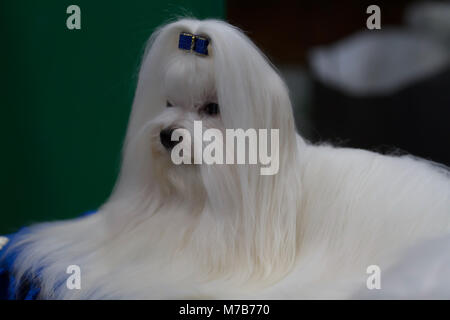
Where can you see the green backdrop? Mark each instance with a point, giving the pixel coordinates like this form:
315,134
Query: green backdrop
66,97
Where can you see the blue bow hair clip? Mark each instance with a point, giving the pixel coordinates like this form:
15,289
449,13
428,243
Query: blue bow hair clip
191,42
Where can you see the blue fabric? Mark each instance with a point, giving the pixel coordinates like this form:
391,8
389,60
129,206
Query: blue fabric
192,42
9,289
185,41
29,288
201,45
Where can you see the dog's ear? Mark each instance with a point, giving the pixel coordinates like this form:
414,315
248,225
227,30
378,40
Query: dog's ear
253,95
149,99
250,91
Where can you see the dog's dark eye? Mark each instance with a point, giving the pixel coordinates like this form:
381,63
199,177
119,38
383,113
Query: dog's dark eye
168,104
211,108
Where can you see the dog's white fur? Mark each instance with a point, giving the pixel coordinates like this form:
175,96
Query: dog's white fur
225,231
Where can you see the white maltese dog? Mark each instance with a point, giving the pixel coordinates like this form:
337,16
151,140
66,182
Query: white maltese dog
311,230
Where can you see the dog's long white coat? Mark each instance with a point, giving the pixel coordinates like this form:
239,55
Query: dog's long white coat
224,231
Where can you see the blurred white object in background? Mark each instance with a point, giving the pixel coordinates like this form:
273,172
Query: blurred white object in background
378,62
381,62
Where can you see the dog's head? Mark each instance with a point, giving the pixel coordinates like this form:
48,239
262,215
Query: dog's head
231,86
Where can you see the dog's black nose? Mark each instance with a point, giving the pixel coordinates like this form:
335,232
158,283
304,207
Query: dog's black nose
166,138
